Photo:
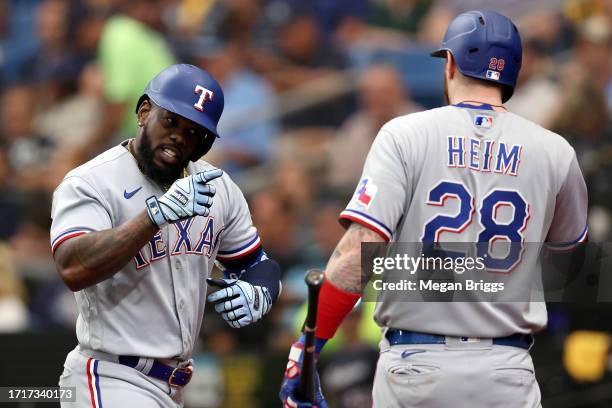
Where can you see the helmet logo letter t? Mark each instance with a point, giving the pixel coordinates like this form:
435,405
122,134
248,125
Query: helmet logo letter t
205,95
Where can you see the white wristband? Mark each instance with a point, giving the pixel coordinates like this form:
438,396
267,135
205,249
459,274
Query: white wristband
155,213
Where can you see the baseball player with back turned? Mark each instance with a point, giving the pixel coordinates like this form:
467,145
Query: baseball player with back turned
135,234
440,175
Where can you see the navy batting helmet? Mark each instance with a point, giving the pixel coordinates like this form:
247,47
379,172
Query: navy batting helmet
486,45
189,92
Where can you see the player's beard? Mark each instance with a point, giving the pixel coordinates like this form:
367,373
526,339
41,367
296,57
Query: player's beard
149,168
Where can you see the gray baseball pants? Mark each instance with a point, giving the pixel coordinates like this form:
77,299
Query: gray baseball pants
101,382
471,375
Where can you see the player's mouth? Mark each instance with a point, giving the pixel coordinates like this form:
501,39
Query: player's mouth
170,155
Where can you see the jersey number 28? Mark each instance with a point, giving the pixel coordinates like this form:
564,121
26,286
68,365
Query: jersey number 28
492,230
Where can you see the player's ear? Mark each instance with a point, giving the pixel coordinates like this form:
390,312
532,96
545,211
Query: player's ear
143,110
450,67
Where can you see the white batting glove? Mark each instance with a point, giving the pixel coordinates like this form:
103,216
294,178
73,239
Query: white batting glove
186,197
238,302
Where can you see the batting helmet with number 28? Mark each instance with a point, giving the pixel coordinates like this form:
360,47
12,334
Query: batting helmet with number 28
486,45
189,92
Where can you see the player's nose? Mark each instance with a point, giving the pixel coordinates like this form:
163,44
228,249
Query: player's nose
178,137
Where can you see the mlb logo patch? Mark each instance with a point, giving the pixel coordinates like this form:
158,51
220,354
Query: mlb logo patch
366,191
483,121
494,75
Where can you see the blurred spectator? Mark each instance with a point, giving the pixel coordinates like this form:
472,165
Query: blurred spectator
11,201
333,14
102,5
301,42
241,21
13,313
403,15
510,8
299,166
433,26
52,303
382,96
547,26
53,56
30,245
579,10
72,120
593,51
537,96
324,234
303,55
294,182
326,230
53,306
87,20
583,116
276,223
18,42
74,117
186,18
28,151
131,53
248,128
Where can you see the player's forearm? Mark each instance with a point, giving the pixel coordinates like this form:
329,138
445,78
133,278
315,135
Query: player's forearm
91,258
344,281
344,266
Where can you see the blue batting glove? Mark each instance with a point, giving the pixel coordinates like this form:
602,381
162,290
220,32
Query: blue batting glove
291,378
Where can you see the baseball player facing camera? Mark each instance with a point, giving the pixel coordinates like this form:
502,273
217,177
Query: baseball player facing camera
441,175
135,234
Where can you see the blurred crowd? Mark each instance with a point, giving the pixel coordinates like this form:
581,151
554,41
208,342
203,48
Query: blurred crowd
307,85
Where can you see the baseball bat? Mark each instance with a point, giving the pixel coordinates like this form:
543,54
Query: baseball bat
306,389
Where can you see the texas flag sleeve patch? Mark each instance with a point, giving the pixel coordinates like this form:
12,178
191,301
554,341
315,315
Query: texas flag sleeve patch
366,192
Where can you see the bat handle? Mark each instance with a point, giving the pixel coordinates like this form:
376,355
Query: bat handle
306,390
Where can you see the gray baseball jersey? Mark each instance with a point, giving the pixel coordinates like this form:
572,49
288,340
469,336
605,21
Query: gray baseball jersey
467,174
154,306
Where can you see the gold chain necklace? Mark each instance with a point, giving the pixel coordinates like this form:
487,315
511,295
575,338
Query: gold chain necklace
485,103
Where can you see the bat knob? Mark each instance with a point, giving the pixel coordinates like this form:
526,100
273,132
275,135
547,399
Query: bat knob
314,277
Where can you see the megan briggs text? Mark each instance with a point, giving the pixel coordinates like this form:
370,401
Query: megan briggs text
437,286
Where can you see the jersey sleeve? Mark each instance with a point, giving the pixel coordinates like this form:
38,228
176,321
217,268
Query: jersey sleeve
77,209
239,237
380,197
569,223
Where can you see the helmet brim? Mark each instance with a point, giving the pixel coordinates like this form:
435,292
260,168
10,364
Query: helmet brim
439,53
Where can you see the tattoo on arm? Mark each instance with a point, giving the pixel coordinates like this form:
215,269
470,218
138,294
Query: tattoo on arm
94,257
344,266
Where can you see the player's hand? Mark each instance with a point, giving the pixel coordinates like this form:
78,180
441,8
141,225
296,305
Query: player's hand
189,196
291,381
238,302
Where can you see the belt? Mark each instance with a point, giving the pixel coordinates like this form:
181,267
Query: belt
174,376
395,336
